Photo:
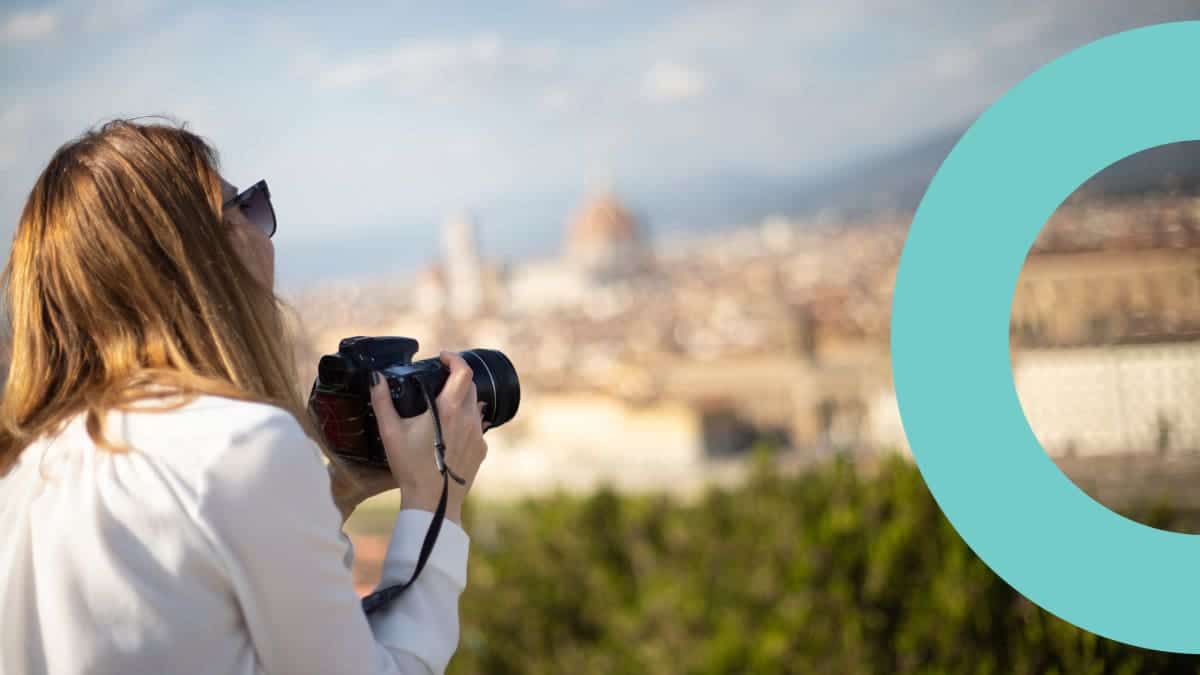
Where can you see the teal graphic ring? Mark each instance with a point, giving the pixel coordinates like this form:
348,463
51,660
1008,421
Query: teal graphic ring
950,337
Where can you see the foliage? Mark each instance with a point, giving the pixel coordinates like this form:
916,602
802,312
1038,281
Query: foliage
833,571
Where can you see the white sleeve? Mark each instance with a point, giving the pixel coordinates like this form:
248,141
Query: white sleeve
267,505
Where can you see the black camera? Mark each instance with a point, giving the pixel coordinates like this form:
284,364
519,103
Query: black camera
341,399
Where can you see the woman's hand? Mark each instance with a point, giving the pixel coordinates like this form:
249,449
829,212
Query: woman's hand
408,442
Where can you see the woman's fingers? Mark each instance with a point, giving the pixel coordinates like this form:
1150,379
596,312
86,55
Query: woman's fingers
407,443
459,387
381,402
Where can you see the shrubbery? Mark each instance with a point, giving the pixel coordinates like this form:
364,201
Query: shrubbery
829,572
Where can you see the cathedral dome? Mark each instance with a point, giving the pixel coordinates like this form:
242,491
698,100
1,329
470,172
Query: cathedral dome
603,227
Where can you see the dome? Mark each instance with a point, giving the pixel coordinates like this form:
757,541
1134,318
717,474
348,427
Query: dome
602,227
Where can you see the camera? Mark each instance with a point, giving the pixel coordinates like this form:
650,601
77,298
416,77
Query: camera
340,399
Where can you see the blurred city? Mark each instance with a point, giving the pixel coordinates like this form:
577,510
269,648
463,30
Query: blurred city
660,366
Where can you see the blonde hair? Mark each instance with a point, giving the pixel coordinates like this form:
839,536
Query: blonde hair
124,285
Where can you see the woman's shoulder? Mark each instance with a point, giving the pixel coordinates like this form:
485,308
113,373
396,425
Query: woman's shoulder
179,454
229,415
243,457
209,415
205,429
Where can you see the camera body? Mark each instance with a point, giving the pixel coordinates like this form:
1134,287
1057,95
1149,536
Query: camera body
340,399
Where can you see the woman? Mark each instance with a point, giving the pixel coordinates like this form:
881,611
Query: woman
163,503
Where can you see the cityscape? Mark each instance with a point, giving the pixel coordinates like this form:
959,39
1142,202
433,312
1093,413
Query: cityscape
652,365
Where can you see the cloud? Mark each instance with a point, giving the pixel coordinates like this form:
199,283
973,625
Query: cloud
668,82
437,64
29,26
69,17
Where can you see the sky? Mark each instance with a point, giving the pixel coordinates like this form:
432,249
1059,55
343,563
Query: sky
375,122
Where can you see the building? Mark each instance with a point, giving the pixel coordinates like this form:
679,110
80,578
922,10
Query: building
606,240
463,267
604,248
462,284
1112,274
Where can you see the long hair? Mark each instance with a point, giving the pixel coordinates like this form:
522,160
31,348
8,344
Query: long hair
124,285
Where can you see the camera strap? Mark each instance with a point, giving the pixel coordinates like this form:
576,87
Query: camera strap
382,597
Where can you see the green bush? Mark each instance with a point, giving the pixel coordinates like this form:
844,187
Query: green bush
828,572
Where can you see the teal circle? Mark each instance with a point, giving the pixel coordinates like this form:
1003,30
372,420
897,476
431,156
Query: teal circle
950,337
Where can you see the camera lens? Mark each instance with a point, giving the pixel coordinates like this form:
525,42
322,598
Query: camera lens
496,383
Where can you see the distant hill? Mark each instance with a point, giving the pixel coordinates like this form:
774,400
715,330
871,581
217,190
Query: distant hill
1170,168
899,179
891,181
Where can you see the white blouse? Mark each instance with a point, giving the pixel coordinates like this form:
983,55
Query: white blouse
214,547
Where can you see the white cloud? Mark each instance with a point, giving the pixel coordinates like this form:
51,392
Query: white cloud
437,63
29,26
414,63
71,16
668,82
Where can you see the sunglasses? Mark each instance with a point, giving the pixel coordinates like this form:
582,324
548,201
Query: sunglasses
255,204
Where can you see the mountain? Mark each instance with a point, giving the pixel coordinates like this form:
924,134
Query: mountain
898,180
890,181
1167,168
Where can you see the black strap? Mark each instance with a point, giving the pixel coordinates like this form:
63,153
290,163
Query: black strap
382,597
